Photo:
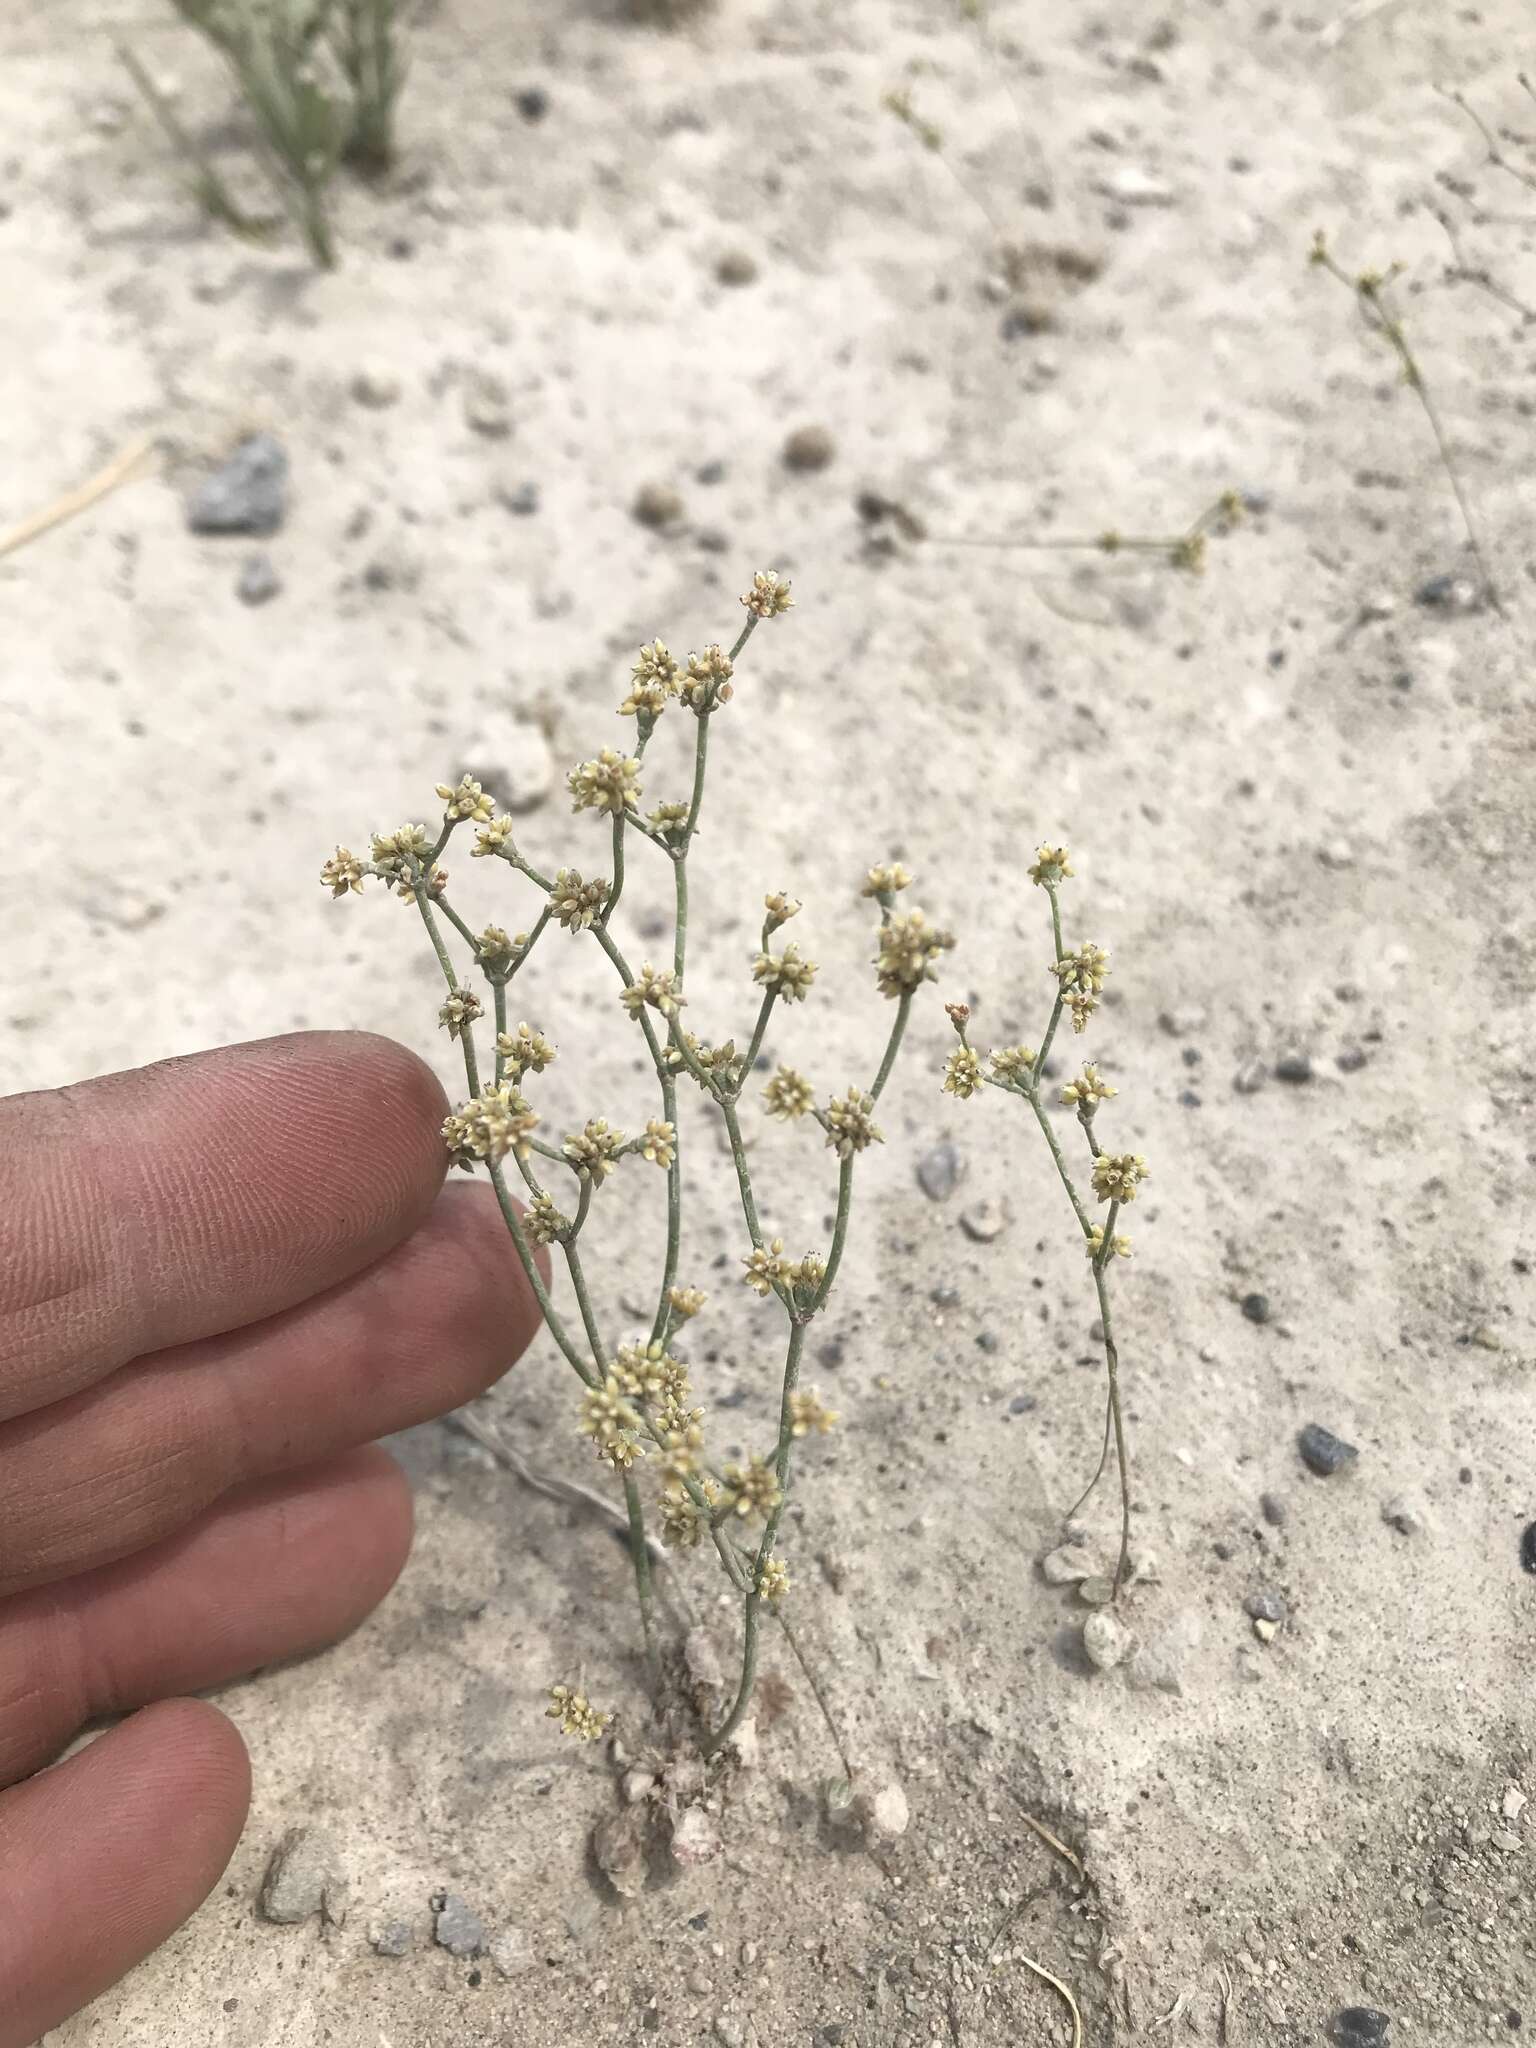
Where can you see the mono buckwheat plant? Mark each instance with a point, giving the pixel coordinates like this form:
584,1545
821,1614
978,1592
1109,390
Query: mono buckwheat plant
1114,1177
638,1407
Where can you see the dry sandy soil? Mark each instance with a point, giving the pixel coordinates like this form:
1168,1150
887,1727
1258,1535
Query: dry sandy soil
1300,800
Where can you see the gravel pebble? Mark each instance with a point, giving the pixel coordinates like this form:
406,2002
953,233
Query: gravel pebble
249,494
456,1926
304,1877
1360,2026
1293,1067
1067,1566
1274,1510
1108,1642
532,102
1350,1060
809,448
940,1171
391,1938
729,2032
1250,1077
945,1296
1265,1605
1322,1452
1528,1547
1256,1307
656,506
737,267
984,1221
511,1952
486,405
1401,1514
522,499
375,385
259,581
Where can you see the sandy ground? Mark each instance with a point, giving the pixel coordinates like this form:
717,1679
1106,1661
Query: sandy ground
1301,806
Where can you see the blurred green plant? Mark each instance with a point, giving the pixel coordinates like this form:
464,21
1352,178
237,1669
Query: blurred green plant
321,80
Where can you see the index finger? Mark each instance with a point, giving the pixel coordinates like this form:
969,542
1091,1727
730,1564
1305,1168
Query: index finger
182,1200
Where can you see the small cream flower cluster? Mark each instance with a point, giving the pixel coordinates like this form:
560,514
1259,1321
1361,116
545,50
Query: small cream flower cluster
850,1123
669,821
545,1221
787,973
342,872
658,1143
769,595
653,679
708,679
788,1096
595,1149
808,1412
962,1073
575,903
909,946
524,1051
649,1372
780,908
469,800
1081,975
494,1123
1013,1062
496,838
751,1490
607,783
769,1271
1120,1246
656,987
575,1713
1117,1175
1088,1088
883,882
1052,864
773,1581
710,1059
497,951
685,1302
460,1011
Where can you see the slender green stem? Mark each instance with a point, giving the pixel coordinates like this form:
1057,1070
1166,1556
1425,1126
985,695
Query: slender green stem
1122,1455
460,927
892,1046
839,1231
535,1278
640,1554
743,1173
466,1036
1107,1245
752,1606
621,818
749,1059
600,1352
1032,1097
680,933
700,756
743,637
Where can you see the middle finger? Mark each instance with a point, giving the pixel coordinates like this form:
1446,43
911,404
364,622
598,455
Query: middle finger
106,1472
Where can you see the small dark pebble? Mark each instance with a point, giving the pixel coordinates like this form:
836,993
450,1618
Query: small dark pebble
832,2035
473,1980
1224,1551
1020,321
1465,1475
1274,1510
1322,1452
1528,1547
831,1353
532,102
1188,1099
524,500
1021,1404
1294,1067
1191,1055
248,494
945,1297
1360,2026
1256,1307
940,1171
709,473
736,1396
1264,1605
1351,1059
698,1922
986,1340
259,581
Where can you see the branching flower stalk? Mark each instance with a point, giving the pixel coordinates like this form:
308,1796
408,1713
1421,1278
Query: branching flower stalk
637,1406
1371,291
1184,550
1114,1177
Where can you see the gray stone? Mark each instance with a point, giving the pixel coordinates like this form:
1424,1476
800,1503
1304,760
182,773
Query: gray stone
1274,1510
656,506
1351,1059
521,499
940,1171
375,385
1265,1605
1250,1077
737,267
1360,2026
984,1221
303,1878
1068,1566
1401,1514
259,581
1322,1452
1107,1641
1256,1307
391,1938
945,1296
1449,594
457,1927
248,495
1294,1067
512,1952
486,406
809,448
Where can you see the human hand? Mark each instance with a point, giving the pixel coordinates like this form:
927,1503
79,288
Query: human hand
220,1279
